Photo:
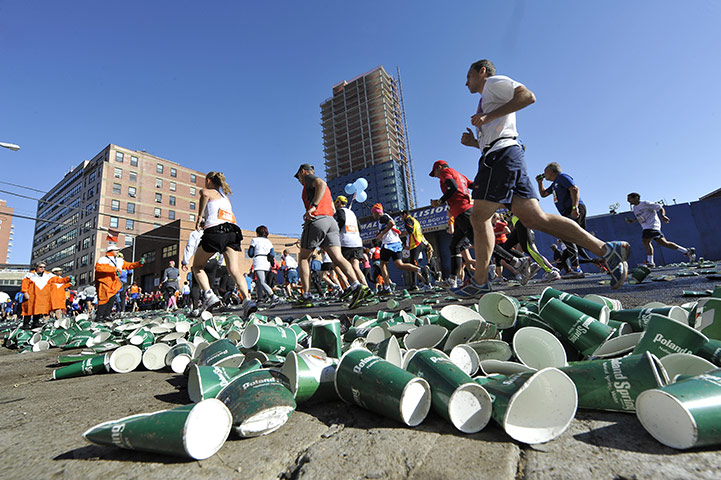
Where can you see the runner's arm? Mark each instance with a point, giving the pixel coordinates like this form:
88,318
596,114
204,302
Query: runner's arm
522,97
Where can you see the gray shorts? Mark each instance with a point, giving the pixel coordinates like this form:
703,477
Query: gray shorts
320,232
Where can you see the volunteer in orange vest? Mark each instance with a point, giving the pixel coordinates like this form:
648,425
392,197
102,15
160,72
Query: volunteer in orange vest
58,294
107,270
25,306
38,291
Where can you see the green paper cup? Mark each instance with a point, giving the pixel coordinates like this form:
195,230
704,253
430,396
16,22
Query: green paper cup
378,334
686,364
154,356
301,336
143,337
711,351
453,315
463,333
592,309
269,339
500,367
614,384
617,346
75,358
194,431
427,336
221,353
491,350
311,374
454,395
499,309
420,310
538,348
638,317
205,381
611,303
370,382
465,358
585,333
325,334
179,356
87,366
125,359
683,414
622,328
665,335
708,320
261,402
533,407
388,350
639,274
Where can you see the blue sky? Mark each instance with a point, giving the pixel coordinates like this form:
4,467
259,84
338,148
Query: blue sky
626,91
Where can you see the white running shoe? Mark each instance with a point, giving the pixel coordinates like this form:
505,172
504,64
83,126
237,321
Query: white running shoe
551,276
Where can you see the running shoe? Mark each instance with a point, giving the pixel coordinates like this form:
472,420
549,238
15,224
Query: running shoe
210,300
472,290
616,257
647,264
249,307
535,268
524,269
577,273
346,293
359,294
304,302
691,254
551,276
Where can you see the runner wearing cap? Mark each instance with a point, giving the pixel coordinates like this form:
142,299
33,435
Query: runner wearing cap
351,244
502,178
321,230
107,271
647,214
391,246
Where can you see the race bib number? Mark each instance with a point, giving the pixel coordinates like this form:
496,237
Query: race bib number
351,229
226,216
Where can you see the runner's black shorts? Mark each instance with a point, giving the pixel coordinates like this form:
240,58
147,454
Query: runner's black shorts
350,253
219,237
462,234
502,174
651,233
388,255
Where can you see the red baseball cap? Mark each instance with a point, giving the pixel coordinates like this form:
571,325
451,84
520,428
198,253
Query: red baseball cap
437,164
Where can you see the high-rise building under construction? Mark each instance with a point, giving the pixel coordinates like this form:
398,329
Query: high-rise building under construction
364,135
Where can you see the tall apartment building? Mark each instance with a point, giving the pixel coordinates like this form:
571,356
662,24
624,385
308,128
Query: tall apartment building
364,135
6,231
127,191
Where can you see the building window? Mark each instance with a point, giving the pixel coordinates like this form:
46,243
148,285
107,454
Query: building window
158,198
133,161
157,213
149,256
192,191
119,157
158,183
192,178
118,173
173,186
172,201
159,168
115,205
92,176
128,240
83,260
192,205
171,214
131,191
191,217
131,207
156,225
129,225
170,250
113,222
86,243
133,176
173,172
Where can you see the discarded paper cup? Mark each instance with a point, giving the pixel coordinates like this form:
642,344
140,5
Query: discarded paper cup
463,333
88,366
427,336
598,311
465,358
684,414
611,303
639,274
261,402
179,356
221,353
708,321
369,381
388,350
196,431
269,339
454,315
499,309
41,345
325,334
538,348
420,310
205,381
614,384
311,374
143,337
665,335
585,333
617,346
154,356
686,364
533,407
125,359
301,336
711,351
493,367
638,317
622,328
491,350
454,394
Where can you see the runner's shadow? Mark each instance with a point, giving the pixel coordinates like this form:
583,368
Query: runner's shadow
627,436
98,452
176,398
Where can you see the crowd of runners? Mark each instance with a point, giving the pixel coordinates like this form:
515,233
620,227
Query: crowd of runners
495,215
